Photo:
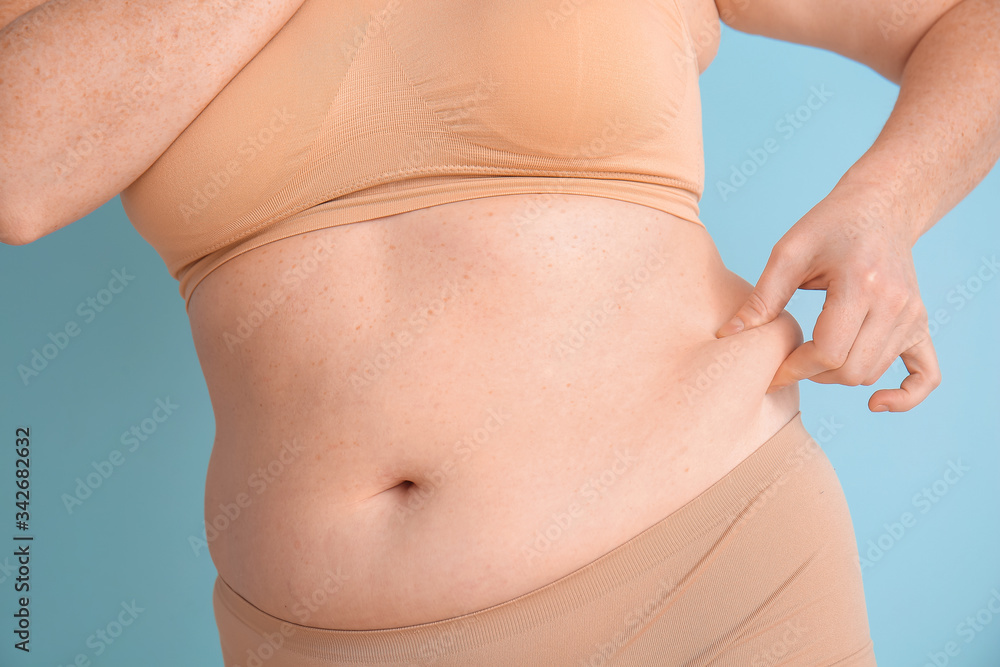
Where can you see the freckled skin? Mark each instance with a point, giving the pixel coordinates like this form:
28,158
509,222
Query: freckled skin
455,314
451,321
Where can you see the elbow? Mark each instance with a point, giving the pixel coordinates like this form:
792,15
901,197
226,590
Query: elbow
10,236
16,226
895,66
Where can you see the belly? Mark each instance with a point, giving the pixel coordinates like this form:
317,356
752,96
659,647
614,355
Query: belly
444,409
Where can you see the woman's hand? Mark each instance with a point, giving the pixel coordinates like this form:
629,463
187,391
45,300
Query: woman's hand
872,314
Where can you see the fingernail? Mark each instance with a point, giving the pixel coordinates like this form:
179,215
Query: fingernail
775,387
731,327
880,408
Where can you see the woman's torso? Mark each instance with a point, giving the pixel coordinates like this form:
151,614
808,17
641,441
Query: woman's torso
440,410
547,391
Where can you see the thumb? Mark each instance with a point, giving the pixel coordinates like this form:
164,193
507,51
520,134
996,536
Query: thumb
778,282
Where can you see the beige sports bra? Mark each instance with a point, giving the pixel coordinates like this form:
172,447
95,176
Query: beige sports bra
359,109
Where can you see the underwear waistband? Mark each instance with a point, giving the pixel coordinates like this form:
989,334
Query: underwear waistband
730,498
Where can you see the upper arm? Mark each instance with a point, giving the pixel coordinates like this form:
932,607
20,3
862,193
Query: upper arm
18,224
877,33
92,93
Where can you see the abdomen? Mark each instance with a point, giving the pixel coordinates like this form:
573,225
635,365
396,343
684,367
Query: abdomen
454,385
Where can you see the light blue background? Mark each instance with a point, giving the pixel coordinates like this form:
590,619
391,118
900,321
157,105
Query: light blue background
130,539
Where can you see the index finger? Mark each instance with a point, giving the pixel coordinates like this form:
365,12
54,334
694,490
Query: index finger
784,272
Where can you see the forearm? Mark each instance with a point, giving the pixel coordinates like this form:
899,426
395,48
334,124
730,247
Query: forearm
943,135
117,80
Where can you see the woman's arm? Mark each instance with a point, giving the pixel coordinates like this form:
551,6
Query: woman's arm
943,135
12,9
93,93
942,138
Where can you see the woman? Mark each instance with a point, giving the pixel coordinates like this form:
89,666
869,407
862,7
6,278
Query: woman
519,419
